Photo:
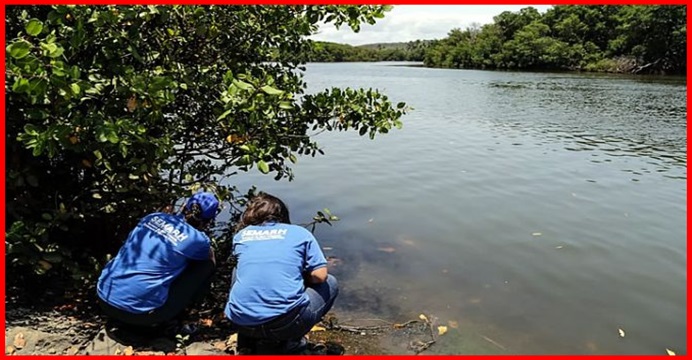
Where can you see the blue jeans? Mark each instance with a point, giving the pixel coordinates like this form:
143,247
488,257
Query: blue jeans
298,322
190,286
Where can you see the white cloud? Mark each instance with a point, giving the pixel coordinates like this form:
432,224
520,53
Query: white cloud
418,22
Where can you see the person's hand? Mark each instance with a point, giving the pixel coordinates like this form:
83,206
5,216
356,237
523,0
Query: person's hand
317,276
212,257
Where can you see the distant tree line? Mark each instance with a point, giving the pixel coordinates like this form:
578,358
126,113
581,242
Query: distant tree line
631,38
333,52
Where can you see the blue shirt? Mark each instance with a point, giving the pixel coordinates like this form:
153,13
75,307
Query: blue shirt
269,276
155,253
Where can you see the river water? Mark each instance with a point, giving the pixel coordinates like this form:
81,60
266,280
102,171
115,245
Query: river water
531,213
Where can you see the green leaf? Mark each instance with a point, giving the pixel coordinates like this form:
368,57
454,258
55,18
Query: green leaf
31,129
19,49
20,85
50,47
225,114
113,137
57,52
96,195
262,166
47,216
286,105
242,84
271,91
34,27
75,88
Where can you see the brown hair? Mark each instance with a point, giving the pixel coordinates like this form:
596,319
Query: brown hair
262,208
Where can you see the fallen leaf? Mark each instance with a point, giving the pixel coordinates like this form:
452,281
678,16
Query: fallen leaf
670,352
117,351
441,330
19,341
399,326
387,249
206,322
536,234
129,351
73,350
45,265
408,242
327,248
559,247
9,350
453,324
371,220
423,317
236,139
150,353
131,103
622,332
317,328
219,345
232,340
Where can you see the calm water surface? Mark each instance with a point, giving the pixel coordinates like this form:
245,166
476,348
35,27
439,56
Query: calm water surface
540,212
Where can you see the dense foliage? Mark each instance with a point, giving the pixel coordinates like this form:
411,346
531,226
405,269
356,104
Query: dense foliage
115,111
649,39
333,52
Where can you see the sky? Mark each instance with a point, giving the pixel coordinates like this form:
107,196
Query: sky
417,22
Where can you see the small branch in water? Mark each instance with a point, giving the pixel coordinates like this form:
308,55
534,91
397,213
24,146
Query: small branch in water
356,329
400,326
381,320
493,342
420,346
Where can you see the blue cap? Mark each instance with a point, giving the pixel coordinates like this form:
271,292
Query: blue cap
207,203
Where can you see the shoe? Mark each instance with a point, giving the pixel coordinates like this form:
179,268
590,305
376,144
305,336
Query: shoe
174,328
296,346
318,349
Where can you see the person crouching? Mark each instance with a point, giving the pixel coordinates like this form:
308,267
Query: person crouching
280,288
164,265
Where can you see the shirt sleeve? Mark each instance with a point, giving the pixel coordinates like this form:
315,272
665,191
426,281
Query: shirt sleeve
314,258
195,248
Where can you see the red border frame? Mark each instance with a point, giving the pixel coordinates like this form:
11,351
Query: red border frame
311,2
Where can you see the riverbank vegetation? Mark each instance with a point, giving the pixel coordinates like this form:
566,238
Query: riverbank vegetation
333,52
116,111
623,39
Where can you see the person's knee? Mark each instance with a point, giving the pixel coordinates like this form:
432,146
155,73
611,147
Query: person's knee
333,285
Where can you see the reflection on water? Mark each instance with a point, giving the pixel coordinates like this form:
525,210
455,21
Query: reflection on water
539,213
615,115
